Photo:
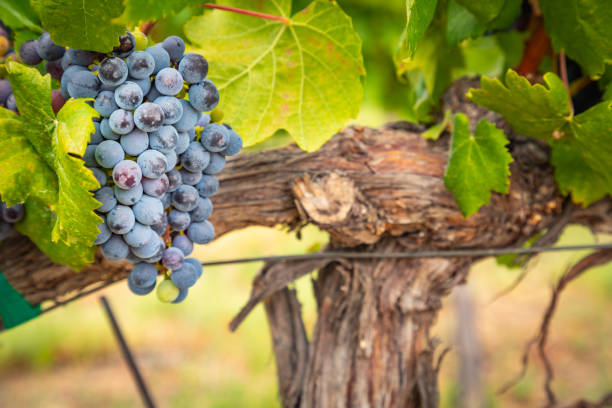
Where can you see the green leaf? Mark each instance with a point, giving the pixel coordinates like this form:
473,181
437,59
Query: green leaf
84,24
484,10
137,11
461,24
304,77
434,132
38,224
37,156
477,164
582,156
420,13
582,28
19,14
532,110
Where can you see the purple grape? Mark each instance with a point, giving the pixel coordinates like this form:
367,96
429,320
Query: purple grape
178,220
175,46
152,163
121,121
215,138
155,187
164,139
127,174
109,153
203,210
128,95
120,220
189,177
185,277
185,198
149,117
193,67
115,249
169,81
128,197
140,64
28,53
173,258
113,71
138,236
217,162
204,96
143,275
208,186
183,243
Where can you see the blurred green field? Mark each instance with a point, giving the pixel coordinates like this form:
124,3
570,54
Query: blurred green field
68,358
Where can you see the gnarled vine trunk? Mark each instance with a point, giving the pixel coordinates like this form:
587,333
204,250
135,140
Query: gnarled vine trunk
371,189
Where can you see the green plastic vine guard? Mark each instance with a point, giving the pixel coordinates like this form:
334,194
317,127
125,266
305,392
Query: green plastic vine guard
14,309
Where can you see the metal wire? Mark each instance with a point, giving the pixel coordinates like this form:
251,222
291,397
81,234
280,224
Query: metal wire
433,253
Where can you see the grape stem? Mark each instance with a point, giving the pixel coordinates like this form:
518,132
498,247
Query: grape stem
563,73
247,12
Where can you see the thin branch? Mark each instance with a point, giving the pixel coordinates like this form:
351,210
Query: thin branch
251,13
564,78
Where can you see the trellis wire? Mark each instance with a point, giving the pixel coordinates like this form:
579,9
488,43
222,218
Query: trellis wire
433,253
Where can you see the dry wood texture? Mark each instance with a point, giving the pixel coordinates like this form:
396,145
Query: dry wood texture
378,189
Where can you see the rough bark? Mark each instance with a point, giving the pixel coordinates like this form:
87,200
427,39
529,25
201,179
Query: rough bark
374,189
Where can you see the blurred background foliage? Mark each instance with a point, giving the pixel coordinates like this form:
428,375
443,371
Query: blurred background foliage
69,358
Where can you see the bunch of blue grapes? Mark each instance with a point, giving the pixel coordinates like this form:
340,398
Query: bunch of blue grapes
8,217
154,153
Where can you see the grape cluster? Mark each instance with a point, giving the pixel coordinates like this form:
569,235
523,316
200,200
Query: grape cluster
154,153
8,217
7,100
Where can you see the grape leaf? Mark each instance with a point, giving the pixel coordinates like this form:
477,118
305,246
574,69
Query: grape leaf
19,14
477,164
582,28
304,76
581,156
532,110
420,13
137,11
484,10
36,155
38,225
461,24
84,24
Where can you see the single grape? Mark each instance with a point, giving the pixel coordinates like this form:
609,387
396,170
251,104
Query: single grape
11,103
175,46
189,118
174,180
181,296
167,291
235,144
57,101
47,49
172,159
173,110
143,275
204,96
5,90
127,174
104,234
67,77
105,103
144,84
182,142
106,130
160,56
217,162
148,211
115,249
208,186
108,153
155,187
99,175
89,157
195,158
193,67
173,258
154,246
196,264
138,236
127,45
149,117
83,84
169,81
185,198
183,243
152,163
13,214
166,200
96,137
128,197
164,139
178,220
139,291
28,53
120,220
135,142
203,210
141,40
215,138
185,277
54,68
161,226
201,232
82,57
121,121
113,71
189,177
107,199
128,95
204,120
140,64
